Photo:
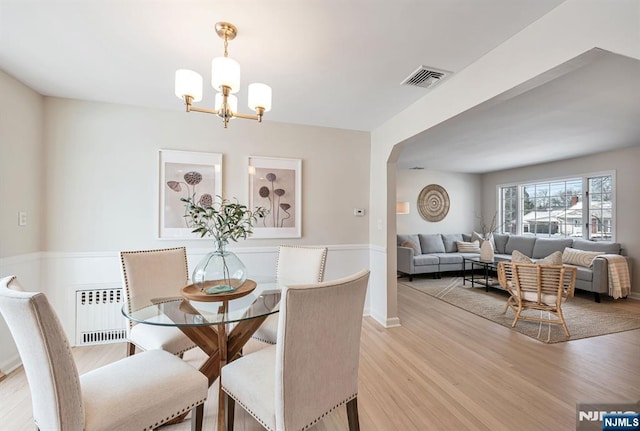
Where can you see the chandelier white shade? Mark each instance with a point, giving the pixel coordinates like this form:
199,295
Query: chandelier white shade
225,79
259,96
188,83
225,71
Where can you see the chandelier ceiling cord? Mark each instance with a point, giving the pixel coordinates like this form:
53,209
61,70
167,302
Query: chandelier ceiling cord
225,79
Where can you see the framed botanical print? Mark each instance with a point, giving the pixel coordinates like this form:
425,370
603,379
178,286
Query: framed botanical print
276,184
184,174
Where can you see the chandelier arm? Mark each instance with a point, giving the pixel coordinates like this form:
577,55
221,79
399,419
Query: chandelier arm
188,103
247,116
204,110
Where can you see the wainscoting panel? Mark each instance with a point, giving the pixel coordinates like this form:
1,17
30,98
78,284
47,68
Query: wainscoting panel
67,273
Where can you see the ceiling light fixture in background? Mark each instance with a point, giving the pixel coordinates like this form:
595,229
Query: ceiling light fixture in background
225,78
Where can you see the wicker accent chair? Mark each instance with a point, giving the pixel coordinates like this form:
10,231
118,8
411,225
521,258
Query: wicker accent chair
313,367
540,287
148,277
139,392
505,277
296,265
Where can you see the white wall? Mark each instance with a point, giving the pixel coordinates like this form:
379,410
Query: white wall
102,180
623,162
464,192
21,167
21,180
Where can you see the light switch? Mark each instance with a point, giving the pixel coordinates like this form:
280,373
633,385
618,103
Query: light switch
22,218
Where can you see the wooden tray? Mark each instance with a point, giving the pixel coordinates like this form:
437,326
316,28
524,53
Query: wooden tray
196,292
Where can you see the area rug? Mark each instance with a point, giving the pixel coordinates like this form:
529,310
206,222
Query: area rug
585,318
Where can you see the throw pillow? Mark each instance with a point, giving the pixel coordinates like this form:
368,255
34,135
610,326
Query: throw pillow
431,243
449,240
572,256
468,247
411,244
518,257
554,258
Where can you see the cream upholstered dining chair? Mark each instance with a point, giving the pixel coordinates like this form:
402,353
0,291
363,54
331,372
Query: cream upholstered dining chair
313,367
139,392
148,276
542,288
296,265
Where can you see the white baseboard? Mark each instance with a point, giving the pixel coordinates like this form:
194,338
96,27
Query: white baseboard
386,322
10,364
393,322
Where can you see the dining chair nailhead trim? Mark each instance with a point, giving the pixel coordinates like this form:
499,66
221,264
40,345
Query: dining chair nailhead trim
264,340
309,425
186,409
248,410
306,427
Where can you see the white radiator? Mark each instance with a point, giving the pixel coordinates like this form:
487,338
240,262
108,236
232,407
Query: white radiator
99,319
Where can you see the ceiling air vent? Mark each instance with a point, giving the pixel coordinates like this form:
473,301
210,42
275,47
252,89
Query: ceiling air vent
425,77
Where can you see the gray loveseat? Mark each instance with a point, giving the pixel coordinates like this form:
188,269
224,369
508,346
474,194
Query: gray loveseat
437,253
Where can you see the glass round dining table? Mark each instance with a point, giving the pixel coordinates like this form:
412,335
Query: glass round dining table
219,327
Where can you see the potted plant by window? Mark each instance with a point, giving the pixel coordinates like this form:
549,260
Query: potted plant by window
223,220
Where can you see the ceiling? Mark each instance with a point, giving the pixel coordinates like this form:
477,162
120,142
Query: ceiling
333,64
586,106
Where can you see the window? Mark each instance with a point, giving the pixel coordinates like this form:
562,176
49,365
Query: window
509,209
555,208
599,195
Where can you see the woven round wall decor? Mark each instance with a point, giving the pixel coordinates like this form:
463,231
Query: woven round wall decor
433,203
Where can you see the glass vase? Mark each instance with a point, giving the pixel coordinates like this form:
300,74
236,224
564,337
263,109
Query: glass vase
220,268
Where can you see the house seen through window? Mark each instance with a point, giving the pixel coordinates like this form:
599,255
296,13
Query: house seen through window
572,207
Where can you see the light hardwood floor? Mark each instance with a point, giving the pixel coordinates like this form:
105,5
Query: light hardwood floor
443,369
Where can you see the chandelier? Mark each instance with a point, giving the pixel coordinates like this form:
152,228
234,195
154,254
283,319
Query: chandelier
225,79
